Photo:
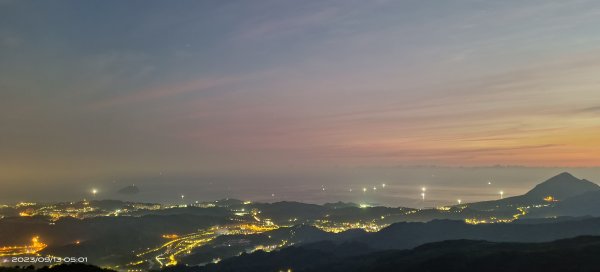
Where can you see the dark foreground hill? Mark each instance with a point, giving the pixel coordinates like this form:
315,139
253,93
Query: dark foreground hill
575,254
405,235
58,268
409,235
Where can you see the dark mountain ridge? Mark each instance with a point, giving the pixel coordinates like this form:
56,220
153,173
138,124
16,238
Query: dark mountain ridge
561,187
557,188
574,254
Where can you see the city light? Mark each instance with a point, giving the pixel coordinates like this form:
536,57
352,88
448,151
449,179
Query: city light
168,253
247,221
35,246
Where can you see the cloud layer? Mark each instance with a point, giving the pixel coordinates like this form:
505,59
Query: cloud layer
123,88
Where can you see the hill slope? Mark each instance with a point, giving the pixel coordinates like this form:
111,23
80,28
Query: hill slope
559,187
576,254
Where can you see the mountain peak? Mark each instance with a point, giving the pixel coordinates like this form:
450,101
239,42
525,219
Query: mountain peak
564,175
561,186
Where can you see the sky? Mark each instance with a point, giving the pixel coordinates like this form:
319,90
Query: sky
97,89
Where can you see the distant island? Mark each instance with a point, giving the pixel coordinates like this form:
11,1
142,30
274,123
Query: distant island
237,235
129,190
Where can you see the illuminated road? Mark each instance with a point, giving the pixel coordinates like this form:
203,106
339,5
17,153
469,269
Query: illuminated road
168,253
35,247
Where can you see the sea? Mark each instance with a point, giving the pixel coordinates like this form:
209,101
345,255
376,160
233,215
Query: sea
415,186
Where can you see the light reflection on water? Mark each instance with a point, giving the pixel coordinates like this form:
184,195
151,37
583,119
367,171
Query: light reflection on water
444,187
403,186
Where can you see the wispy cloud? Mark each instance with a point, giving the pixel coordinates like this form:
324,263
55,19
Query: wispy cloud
292,25
196,85
330,82
590,110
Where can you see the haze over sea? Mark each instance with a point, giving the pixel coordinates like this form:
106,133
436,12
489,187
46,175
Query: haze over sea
445,185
